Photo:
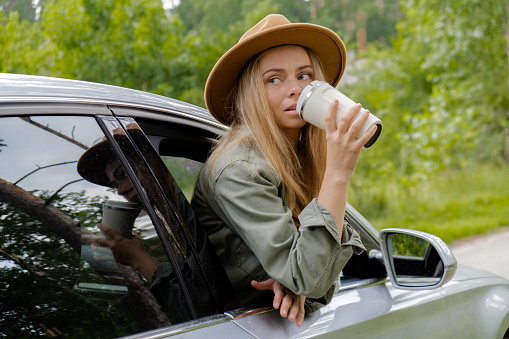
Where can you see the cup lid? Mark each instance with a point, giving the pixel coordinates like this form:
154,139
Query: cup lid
116,204
306,94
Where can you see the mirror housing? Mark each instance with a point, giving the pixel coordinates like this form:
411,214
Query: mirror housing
415,259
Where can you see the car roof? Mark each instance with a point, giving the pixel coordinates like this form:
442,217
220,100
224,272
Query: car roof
22,88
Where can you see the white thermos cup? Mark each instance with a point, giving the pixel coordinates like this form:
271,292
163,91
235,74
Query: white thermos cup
316,98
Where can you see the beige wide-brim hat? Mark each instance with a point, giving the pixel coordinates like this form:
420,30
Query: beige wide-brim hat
274,30
92,163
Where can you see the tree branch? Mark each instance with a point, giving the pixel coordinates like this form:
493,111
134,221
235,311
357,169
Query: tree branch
52,131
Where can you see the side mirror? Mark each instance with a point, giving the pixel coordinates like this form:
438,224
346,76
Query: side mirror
415,259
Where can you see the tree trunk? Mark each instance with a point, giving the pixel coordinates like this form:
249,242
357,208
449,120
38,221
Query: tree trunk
506,148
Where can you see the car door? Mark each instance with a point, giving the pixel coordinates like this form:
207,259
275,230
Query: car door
54,281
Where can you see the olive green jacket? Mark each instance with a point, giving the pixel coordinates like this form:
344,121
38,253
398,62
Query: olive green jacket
241,204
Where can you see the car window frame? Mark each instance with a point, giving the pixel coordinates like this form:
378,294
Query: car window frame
215,293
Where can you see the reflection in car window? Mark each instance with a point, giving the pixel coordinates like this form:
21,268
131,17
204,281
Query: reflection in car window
52,279
195,265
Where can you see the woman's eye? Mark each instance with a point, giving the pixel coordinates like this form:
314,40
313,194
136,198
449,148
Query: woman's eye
305,76
274,80
119,173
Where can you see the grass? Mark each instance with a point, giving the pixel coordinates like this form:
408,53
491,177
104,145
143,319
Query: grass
452,205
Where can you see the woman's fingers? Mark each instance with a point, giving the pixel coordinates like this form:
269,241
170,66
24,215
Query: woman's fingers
275,286
290,305
330,117
352,120
110,232
297,310
263,285
300,315
286,304
349,123
293,307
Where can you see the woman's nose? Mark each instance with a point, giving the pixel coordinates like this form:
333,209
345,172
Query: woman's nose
294,88
123,186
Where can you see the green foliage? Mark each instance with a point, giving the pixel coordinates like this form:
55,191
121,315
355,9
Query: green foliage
26,9
408,245
136,44
22,46
456,203
441,89
185,172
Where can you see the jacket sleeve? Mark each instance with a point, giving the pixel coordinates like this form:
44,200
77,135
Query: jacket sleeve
306,260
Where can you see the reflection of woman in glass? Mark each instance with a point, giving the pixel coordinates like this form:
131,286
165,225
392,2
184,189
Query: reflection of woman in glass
100,165
273,193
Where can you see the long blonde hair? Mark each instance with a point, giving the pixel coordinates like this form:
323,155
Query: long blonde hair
301,169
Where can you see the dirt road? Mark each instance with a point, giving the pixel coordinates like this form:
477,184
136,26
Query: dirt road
488,252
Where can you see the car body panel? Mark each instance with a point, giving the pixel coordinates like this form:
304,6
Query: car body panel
374,312
381,311
26,88
478,303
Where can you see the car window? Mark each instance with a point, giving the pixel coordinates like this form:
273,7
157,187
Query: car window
185,171
195,266
53,280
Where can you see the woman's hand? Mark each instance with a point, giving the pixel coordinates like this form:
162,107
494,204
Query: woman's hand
128,251
343,148
343,151
289,304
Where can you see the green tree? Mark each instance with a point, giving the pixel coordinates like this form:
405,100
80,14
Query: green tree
23,49
442,88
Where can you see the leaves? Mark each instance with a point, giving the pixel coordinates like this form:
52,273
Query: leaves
441,89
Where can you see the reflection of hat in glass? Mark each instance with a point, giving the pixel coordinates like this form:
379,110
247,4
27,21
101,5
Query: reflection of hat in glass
92,163
274,30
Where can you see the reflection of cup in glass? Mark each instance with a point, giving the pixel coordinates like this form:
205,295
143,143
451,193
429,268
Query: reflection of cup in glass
120,216
316,98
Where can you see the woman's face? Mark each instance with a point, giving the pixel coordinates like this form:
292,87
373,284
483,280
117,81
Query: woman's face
286,70
116,173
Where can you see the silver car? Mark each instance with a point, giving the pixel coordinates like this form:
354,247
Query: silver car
55,281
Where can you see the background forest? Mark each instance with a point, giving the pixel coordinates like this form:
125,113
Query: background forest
435,72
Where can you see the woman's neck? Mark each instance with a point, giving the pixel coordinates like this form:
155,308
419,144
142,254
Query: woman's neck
293,135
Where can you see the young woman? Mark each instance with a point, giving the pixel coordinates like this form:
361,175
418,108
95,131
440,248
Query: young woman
272,195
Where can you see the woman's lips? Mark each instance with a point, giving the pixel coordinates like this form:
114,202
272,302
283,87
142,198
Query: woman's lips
291,109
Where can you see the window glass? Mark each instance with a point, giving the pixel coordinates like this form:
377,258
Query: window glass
185,172
53,280
195,264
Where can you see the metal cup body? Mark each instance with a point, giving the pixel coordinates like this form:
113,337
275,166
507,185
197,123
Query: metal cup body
317,97
120,216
